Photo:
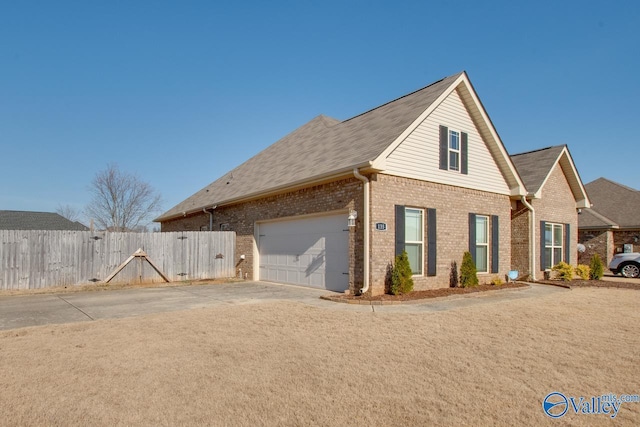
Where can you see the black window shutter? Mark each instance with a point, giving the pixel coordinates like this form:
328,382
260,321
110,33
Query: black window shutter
464,154
567,243
444,147
495,244
472,235
543,261
399,229
431,242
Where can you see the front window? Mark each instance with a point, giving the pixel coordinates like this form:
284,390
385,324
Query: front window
413,238
454,150
482,243
552,244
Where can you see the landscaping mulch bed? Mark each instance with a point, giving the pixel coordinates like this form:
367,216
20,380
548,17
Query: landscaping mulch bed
591,283
421,295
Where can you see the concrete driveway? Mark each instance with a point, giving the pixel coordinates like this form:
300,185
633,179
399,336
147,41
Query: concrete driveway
33,310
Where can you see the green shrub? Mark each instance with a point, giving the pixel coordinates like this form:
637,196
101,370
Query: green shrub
468,272
453,275
564,270
401,280
596,269
496,281
582,271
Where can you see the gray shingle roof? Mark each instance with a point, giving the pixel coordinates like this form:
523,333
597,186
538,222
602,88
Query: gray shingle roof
592,219
26,220
617,203
322,147
534,166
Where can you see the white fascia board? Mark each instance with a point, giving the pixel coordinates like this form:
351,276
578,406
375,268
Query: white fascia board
380,161
518,190
511,169
342,173
580,194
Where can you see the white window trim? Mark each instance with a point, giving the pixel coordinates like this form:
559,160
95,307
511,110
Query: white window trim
552,246
421,242
486,245
453,150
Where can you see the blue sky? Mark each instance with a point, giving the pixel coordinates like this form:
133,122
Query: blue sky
181,92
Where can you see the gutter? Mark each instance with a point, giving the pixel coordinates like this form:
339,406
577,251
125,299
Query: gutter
365,220
532,238
276,190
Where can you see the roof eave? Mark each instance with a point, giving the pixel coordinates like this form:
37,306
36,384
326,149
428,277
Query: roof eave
366,167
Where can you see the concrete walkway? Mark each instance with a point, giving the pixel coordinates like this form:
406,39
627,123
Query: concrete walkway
33,310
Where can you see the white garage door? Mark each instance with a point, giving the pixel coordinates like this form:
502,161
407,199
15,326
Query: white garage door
309,252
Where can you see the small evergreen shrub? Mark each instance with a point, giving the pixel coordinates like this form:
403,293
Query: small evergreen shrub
401,280
596,268
453,275
564,271
468,272
582,271
496,281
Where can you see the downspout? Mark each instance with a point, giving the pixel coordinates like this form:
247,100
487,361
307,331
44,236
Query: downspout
210,216
532,237
365,220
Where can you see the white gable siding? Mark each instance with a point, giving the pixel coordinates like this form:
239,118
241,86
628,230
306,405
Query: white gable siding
418,155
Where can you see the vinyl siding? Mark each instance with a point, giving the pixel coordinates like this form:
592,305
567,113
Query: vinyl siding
418,155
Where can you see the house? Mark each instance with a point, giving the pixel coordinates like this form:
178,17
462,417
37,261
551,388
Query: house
332,203
612,225
545,232
27,220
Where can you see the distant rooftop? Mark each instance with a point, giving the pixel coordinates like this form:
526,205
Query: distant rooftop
27,220
615,205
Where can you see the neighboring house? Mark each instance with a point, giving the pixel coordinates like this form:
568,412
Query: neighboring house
426,173
556,196
613,222
27,220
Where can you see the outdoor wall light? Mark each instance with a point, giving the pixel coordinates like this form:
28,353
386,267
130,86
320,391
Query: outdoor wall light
351,219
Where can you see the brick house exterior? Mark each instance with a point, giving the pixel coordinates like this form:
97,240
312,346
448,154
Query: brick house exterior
556,195
337,196
612,222
426,173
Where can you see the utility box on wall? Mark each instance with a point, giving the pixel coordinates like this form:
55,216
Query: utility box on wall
628,248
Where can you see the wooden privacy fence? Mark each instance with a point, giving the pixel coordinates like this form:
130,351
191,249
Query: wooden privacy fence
41,259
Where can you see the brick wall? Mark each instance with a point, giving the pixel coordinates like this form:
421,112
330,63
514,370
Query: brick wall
520,239
557,204
596,242
453,205
339,195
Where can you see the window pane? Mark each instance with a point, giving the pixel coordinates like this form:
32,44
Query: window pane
453,161
557,235
454,140
482,229
481,259
414,251
548,231
547,258
413,225
557,255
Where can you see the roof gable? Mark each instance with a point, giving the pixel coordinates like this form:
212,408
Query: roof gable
617,203
535,167
460,91
322,148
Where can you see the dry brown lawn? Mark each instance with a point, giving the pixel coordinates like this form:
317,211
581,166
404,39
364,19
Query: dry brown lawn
286,363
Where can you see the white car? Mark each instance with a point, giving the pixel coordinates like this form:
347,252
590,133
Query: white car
626,264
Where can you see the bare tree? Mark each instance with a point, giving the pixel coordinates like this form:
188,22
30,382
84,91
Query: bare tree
121,201
69,212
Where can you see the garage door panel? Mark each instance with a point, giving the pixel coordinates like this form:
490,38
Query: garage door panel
309,252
